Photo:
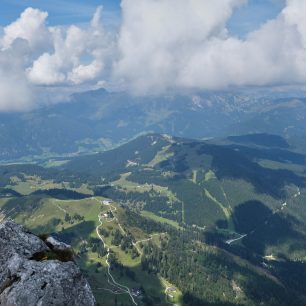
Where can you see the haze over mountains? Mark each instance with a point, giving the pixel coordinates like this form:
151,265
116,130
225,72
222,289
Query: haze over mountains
99,120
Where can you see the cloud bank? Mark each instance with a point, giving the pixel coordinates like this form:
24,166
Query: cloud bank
169,44
162,45
33,54
70,46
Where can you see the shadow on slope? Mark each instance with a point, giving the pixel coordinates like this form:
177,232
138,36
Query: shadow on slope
61,194
76,233
261,139
22,205
191,300
266,228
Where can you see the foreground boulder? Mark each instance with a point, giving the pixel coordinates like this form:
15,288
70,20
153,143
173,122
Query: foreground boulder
57,245
28,277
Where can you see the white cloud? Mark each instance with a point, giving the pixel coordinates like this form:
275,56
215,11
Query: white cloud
294,14
162,45
171,44
19,43
64,64
158,37
33,54
82,73
15,91
30,27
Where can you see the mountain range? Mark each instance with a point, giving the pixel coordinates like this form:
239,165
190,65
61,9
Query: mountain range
98,120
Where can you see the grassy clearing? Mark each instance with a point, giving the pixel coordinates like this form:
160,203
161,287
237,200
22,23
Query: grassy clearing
160,156
226,210
274,165
3,201
129,186
52,209
54,163
156,218
24,188
194,176
33,183
174,295
210,175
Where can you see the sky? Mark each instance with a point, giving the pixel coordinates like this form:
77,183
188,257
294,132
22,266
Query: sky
249,17
60,11
146,46
245,19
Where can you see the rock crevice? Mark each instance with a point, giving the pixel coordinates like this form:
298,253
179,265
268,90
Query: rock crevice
24,281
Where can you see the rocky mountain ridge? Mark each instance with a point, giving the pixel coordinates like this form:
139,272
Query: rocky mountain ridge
29,277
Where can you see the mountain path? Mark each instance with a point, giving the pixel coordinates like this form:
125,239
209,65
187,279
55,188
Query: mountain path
121,288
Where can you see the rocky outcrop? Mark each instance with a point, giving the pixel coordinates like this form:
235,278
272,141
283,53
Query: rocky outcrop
28,277
57,245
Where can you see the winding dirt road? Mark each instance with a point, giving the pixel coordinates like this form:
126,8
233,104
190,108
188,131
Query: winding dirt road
121,288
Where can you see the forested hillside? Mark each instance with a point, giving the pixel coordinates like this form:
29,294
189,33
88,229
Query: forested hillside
181,210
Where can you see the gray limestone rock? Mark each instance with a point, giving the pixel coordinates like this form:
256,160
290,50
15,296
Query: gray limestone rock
26,281
57,245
